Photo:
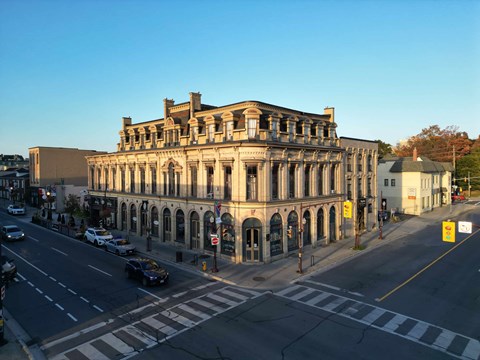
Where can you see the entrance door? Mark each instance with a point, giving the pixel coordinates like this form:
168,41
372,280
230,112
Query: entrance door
195,233
252,244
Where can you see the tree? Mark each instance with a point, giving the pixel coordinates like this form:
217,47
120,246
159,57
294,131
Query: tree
383,149
437,144
72,204
469,164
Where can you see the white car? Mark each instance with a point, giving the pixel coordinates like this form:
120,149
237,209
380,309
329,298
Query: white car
16,210
97,236
120,247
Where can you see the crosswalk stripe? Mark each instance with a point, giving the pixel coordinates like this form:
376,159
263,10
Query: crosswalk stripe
418,330
302,294
159,326
332,305
208,305
317,299
445,339
395,322
137,334
192,311
372,316
472,350
235,295
222,299
178,318
290,289
117,344
91,352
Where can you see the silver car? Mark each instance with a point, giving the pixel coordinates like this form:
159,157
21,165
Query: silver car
16,210
12,233
120,247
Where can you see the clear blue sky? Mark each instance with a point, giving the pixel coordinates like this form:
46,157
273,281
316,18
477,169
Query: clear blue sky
69,70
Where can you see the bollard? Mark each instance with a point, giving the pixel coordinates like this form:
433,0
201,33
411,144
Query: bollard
195,259
204,266
312,260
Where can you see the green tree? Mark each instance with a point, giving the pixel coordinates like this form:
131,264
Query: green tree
469,164
383,149
72,204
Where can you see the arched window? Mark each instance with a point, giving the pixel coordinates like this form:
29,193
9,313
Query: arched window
320,225
133,218
208,228
167,225
292,223
276,235
227,235
124,216
154,221
333,224
180,227
307,236
171,180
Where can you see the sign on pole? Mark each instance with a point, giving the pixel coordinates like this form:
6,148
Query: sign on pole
465,227
214,239
448,231
347,209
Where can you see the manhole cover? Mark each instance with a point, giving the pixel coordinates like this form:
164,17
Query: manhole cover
259,278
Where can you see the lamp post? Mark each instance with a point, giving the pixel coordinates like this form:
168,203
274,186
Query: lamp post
301,234
212,230
49,211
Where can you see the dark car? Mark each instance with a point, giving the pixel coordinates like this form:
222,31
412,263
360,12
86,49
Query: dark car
147,271
9,270
383,215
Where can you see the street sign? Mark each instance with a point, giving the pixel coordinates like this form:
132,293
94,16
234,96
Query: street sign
448,231
214,239
465,227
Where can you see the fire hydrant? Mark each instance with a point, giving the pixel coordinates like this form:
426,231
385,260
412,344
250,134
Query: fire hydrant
204,266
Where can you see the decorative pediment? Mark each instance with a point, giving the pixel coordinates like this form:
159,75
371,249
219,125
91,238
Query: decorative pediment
176,165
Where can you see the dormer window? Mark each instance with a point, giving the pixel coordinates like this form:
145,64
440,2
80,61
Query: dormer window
229,130
210,132
252,128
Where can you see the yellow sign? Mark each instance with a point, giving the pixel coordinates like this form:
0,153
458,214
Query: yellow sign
448,231
347,209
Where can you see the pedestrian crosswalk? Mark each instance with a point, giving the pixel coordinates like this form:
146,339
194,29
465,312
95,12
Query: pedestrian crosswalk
454,344
128,340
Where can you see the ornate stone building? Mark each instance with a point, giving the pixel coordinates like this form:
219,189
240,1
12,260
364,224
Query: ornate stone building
250,172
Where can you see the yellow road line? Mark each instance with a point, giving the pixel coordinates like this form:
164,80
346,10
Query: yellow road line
425,268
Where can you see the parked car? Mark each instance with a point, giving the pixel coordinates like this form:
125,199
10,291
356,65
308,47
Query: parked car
9,269
458,198
383,215
147,271
16,210
120,247
12,233
97,236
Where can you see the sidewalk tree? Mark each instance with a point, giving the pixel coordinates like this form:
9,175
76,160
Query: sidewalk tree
72,204
469,167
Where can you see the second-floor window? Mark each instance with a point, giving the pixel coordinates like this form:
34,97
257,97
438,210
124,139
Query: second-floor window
229,131
252,183
142,181
227,183
122,180
99,177
275,181
132,180
193,181
385,182
210,175
392,182
114,177
307,180
291,181
153,182
211,132
171,180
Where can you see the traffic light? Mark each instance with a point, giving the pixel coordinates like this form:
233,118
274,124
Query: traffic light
289,232
347,209
224,232
448,231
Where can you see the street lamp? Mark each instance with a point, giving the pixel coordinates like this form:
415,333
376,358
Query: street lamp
49,212
301,235
212,230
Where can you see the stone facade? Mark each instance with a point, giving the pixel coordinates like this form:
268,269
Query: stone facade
247,172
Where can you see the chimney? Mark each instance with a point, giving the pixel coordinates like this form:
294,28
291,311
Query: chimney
195,103
330,111
126,121
167,104
415,154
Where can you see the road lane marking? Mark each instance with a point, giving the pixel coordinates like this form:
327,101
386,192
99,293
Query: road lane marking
72,317
179,294
59,251
59,306
425,268
40,291
73,292
334,288
103,272
87,301
149,293
99,309
62,285
31,237
48,298
53,279
28,262
29,283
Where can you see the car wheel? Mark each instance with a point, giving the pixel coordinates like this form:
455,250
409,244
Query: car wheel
144,282
117,252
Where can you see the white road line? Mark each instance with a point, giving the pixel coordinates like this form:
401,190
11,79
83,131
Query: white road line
24,278
90,352
60,252
99,309
472,349
29,283
179,294
31,237
178,318
62,285
158,325
59,306
72,317
52,278
103,272
40,291
203,286
73,292
87,301
48,298
208,305
117,344
334,288
28,262
136,333
192,311
153,295
444,339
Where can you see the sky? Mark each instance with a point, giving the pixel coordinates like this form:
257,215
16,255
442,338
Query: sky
70,70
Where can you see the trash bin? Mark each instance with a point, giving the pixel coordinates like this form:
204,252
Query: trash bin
179,256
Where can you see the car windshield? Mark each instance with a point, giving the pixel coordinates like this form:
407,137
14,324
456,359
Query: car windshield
16,207
102,232
123,242
13,229
149,265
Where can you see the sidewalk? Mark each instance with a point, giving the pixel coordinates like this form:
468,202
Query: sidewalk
280,273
